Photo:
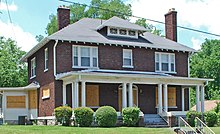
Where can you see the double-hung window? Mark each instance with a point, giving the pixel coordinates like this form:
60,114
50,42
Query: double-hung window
164,62
33,67
85,57
45,59
127,58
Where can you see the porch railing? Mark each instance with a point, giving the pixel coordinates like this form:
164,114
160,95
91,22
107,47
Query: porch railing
201,126
186,128
164,116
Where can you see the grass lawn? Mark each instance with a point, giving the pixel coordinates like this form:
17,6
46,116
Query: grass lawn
15,129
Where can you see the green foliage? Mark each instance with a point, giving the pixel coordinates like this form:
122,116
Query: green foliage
39,37
150,28
206,64
191,115
218,114
78,12
211,118
130,116
83,116
106,116
217,108
52,26
13,73
63,114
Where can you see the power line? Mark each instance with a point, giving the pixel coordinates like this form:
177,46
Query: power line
6,2
138,17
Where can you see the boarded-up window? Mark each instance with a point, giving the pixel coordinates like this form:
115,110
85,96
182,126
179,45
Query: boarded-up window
32,99
171,97
16,102
92,95
46,93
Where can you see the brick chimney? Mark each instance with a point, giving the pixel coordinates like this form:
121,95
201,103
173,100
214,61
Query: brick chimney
171,24
63,17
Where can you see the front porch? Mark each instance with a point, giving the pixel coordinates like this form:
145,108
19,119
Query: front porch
153,93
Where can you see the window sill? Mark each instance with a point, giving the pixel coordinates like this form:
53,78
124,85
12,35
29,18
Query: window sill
85,67
45,97
166,72
128,66
168,107
32,77
46,70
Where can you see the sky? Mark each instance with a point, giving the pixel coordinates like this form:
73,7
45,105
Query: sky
30,18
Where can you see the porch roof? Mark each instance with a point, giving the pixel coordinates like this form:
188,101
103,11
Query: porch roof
31,86
120,76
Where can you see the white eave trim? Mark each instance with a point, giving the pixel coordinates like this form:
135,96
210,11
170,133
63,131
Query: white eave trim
166,79
31,86
128,45
35,49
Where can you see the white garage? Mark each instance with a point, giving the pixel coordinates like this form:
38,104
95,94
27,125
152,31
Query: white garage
18,103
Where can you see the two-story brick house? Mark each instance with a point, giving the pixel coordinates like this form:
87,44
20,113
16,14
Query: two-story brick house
112,62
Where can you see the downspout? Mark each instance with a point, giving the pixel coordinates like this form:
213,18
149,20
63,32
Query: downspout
54,59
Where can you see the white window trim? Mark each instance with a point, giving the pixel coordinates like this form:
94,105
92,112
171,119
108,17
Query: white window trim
46,51
130,51
79,57
119,35
33,76
169,63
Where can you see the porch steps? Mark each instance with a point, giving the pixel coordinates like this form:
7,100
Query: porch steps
154,120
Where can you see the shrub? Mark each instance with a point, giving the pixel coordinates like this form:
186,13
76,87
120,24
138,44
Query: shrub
191,115
217,108
106,116
63,114
130,116
83,116
218,119
211,118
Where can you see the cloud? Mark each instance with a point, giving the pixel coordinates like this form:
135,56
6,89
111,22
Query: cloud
11,7
24,39
194,13
196,43
197,14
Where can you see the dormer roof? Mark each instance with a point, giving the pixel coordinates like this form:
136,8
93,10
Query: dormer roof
120,23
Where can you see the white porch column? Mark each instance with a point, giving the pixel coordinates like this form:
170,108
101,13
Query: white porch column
183,99
202,99
26,105
124,95
64,93
73,95
160,98
83,85
76,86
165,97
197,98
130,95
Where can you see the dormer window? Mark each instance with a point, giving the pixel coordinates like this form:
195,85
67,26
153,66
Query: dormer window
113,30
122,32
131,33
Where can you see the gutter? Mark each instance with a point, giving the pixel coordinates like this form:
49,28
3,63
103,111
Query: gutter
54,59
